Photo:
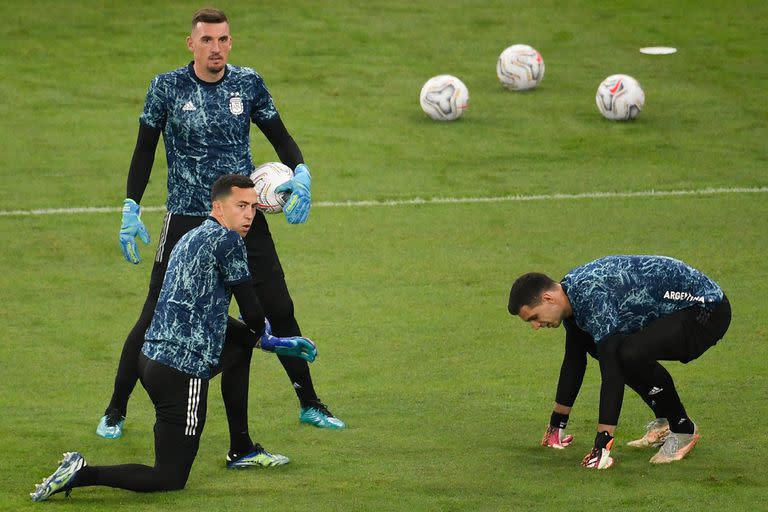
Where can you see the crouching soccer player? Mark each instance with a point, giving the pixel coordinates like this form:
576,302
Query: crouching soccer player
185,348
629,312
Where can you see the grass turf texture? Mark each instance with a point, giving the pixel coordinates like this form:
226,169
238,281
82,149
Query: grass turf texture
445,394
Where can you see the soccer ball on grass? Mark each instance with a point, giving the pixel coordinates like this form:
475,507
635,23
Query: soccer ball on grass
520,67
620,98
444,98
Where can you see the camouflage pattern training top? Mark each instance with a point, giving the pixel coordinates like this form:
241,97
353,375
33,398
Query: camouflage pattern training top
188,327
205,130
623,294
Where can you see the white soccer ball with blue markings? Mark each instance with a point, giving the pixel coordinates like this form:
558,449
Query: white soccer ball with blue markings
266,178
520,67
620,98
444,98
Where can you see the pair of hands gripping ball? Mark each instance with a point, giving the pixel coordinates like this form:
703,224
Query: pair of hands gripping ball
296,211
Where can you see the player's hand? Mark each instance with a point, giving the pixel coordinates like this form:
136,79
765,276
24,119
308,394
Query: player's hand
600,456
130,229
294,346
297,206
556,438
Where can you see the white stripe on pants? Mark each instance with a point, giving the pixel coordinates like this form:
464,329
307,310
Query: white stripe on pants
163,236
193,400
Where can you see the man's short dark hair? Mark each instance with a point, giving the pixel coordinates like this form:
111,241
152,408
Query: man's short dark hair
208,15
527,290
223,186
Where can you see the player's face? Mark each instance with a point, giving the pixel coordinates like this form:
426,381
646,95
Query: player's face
236,212
548,313
210,44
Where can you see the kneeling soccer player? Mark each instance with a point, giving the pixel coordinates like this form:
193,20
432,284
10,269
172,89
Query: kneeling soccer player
185,348
629,312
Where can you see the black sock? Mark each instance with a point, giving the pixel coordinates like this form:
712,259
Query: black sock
681,425
298,371
240,444
110,410
558,420
602,439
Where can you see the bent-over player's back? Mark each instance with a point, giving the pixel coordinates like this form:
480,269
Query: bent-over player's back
623,293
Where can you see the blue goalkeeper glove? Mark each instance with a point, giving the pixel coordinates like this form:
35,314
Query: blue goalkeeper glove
297,206
294,346
130,229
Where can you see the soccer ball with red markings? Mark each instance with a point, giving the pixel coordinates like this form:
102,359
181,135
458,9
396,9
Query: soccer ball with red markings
620,98
520,67
444,98
266,178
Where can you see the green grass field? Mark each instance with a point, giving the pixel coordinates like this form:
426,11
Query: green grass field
445,394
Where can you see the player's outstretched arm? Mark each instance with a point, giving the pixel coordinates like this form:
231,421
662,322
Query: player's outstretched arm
253,316
251,310
577,345
293,346
297,206
611,397
138,177
612,381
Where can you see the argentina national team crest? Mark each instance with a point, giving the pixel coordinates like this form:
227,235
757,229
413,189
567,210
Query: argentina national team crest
236,103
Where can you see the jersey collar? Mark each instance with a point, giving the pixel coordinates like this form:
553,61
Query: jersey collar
191,69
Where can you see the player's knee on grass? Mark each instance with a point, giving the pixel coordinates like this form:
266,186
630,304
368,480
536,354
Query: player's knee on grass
172,479
171,474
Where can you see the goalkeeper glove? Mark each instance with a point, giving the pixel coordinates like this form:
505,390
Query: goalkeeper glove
600,456
297,206
130,229
555,437
293,346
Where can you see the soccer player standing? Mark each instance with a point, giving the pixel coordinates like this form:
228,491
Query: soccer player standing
185,348
629,312
204,111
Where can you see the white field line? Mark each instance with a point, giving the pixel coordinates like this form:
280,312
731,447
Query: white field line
434,200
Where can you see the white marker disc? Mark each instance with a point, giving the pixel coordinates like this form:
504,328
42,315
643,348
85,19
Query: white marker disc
658,50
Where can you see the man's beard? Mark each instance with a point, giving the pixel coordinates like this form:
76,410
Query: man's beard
216,68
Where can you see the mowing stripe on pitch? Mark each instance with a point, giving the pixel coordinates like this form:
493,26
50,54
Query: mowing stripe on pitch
434,200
